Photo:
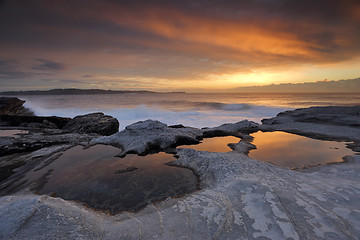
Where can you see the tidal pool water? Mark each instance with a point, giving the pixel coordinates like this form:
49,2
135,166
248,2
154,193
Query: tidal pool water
294,151
12,133
97,177
214,144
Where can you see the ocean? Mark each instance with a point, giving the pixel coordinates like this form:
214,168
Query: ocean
190,109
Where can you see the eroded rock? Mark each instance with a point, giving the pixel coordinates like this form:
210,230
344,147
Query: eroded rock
240,198
145,136
235,129
329,123
37,140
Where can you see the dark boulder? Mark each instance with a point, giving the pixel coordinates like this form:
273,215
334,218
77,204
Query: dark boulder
13,106
93,123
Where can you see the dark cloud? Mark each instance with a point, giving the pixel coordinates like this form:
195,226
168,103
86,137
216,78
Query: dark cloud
61,81
169,39
9,69
67,81
48,65
87,76
91,24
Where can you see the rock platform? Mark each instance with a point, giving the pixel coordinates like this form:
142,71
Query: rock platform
239,198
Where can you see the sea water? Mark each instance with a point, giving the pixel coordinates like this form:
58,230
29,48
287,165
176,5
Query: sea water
190,109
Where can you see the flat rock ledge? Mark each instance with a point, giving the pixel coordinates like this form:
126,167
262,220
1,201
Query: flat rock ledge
240,198
331,123
146,136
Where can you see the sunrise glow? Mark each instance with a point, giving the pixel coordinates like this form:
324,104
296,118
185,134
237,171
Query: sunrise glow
169,46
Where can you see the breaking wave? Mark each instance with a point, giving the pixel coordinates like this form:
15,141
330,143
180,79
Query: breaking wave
203,105
191,117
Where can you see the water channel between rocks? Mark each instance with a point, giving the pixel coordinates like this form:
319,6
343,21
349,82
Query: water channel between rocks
214,144
282,149
96,177
12,133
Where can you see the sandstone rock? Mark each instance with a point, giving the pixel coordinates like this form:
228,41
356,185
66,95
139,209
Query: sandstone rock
37,140
93,123
338,116
149,135
236,129
329,123
240,198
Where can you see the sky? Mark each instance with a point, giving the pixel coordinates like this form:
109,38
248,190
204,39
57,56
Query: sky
168,45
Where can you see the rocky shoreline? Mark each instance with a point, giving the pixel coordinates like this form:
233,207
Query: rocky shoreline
239,198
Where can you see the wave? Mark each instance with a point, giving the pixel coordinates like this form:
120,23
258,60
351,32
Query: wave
191,117
205,105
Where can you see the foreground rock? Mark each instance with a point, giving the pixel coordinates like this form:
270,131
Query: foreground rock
240,198
93,123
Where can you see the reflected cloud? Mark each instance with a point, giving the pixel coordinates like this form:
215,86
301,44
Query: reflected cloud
97,177
290,150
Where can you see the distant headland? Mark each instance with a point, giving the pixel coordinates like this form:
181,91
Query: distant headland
75,91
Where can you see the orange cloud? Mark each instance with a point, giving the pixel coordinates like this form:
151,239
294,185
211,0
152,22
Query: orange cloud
194,29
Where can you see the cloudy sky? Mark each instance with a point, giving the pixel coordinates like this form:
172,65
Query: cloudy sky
169,45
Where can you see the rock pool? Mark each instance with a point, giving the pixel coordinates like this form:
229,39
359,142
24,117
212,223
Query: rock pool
294,151
96,177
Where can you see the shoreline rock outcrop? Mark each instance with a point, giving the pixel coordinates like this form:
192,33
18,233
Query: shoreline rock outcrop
13,106
12,114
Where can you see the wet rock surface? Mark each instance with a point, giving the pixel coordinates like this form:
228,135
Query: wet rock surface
235,129
240,198
146,136
33,121
339,123
338,116
36,139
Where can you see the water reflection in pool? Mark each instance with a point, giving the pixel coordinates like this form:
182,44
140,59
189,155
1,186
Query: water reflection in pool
101,180
290,150
215,144
12,133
